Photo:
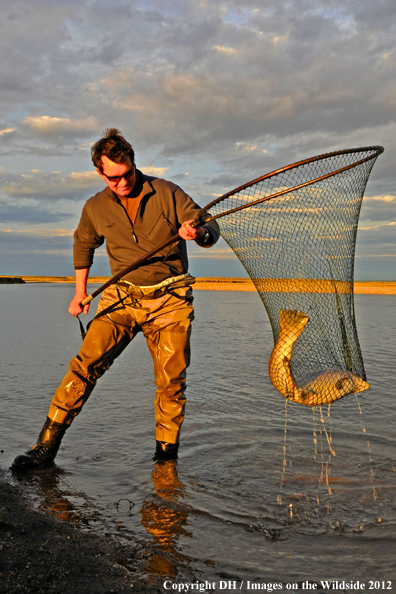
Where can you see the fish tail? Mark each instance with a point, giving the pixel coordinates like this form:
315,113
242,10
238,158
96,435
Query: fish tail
361,387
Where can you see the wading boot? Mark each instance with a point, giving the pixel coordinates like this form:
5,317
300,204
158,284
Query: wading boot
165,450
44,451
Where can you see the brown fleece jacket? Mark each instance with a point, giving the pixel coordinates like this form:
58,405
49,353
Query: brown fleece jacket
162,210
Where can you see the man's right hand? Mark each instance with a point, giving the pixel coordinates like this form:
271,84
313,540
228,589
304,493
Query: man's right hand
75,307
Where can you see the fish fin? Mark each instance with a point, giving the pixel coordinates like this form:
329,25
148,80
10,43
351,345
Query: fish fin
342,383
309,397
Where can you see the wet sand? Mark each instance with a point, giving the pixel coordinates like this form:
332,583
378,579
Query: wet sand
231,284
42,554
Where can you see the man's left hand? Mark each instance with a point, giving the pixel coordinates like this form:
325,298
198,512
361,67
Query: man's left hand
187,232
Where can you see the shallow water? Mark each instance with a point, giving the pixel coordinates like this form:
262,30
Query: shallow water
264,490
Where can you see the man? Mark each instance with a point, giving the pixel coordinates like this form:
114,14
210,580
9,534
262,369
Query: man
133,214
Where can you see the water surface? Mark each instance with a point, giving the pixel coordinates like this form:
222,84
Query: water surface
264,489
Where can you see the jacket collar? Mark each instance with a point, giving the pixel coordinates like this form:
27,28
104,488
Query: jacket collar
148,188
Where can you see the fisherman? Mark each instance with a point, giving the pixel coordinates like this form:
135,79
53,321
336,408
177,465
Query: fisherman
133,214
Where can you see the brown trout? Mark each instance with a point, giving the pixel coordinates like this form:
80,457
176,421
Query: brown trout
316,388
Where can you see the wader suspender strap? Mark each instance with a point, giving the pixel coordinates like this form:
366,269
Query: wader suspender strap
103,312
111,308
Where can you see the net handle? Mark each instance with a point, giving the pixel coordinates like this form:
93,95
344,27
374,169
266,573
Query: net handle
377,151
204,217
136,264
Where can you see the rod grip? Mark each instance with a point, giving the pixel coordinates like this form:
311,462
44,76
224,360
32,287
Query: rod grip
87,300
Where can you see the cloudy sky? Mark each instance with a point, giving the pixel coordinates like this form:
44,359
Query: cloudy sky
211,95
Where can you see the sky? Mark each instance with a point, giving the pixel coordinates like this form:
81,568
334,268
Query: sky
210,94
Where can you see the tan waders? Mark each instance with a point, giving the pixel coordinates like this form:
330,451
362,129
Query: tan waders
165,318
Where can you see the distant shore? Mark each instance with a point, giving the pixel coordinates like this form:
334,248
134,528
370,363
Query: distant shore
208,283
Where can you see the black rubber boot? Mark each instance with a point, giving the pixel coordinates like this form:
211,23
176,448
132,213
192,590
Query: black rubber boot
165,450
44,451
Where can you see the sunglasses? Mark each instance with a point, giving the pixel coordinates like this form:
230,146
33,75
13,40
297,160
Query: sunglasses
115,179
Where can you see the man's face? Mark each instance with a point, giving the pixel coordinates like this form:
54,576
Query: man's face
122,186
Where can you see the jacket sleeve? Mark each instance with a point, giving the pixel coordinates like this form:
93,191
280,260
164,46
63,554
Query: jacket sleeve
188,209
86,241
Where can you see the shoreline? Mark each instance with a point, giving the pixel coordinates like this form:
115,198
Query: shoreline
207,283
43,554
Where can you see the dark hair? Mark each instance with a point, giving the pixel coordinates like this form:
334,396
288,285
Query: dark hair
114,147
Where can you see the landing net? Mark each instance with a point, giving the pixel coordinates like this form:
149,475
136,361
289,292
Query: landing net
294,230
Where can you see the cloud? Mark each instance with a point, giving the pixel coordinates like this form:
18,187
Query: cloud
30,37
57,185
39,252
216,75
35,241
385,199
377,241
243,146
6,131
377,209
52,126
30,214
35,253
217,253
310,77
226,91
58,232
225,50
154,171
40,240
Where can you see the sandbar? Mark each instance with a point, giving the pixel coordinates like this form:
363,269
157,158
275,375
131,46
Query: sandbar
236,284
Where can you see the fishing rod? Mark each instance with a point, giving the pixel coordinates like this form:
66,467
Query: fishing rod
205,217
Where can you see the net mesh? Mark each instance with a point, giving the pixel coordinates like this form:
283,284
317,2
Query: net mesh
298,247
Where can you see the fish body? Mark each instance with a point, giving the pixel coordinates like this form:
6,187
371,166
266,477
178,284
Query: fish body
291,324
328,386
322,387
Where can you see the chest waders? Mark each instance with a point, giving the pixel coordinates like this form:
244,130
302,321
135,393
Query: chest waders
164,316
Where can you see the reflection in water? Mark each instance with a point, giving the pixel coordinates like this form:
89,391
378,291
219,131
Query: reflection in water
54,496
165,517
